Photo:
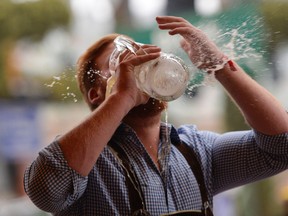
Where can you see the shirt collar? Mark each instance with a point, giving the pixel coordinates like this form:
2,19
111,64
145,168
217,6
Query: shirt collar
164,128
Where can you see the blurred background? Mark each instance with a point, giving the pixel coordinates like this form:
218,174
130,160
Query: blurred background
40,41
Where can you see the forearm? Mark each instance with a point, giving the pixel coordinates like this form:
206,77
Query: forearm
260,108
83,144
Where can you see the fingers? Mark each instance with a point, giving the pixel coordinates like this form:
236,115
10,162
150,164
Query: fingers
137,48
185,46
169,19
144,54
139,59
147,48
171,22
177,25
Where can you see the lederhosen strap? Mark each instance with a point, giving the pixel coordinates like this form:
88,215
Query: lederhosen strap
136,197
194,164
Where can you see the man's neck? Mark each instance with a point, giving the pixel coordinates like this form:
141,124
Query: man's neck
145,127
148,131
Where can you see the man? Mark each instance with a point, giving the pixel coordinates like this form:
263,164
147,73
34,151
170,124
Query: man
85,171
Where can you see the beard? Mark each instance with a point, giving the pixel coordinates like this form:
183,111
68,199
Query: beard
152,108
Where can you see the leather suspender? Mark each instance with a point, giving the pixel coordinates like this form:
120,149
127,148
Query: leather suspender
136,197
194,164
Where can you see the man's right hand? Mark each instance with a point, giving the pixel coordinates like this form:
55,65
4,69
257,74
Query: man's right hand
125,83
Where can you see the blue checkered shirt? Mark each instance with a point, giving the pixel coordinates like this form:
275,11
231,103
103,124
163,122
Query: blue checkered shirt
228,160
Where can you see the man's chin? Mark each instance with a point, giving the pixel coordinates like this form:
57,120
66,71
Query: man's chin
152,107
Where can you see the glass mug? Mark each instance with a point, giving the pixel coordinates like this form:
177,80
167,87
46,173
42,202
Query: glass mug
164,78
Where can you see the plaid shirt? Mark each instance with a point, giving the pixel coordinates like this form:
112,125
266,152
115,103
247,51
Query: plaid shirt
228,160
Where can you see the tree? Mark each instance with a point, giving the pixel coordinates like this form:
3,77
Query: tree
30,20
276,18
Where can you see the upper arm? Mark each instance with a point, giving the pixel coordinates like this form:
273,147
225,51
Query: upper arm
246,156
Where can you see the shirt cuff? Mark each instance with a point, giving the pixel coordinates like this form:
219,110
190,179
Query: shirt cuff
54,158
274,144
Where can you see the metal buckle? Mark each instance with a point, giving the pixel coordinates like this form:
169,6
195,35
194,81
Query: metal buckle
206,207
141,212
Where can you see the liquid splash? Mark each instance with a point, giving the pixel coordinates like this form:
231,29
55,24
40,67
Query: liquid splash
237,42
243,43
165,146
66,85
62,85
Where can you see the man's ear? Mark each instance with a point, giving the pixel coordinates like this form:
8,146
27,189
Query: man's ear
95,96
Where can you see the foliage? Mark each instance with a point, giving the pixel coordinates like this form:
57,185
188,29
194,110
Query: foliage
63,87
31,20
276,19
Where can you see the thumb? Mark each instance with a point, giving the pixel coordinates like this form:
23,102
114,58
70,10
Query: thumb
185,46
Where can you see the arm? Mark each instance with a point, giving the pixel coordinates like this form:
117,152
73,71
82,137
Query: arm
50,183
243,157
261,110
82,145
58,177
236,158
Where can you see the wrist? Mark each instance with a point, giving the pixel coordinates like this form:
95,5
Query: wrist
229,65
124,100
230,69
218,64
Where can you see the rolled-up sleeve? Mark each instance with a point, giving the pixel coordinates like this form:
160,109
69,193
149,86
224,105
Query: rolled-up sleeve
242,157
273,144
50,183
